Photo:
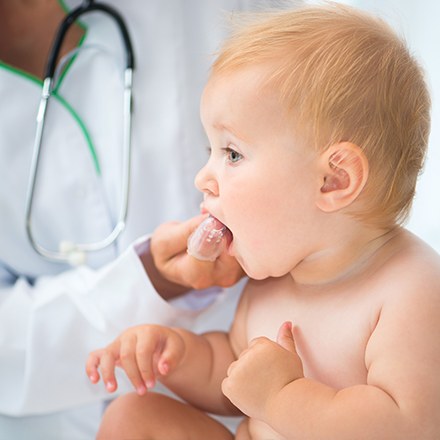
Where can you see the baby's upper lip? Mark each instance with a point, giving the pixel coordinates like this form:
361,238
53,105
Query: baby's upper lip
204,210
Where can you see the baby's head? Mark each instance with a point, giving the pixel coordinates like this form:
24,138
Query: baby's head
344,76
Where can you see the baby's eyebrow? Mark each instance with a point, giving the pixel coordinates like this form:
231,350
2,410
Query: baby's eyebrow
225,127
221,126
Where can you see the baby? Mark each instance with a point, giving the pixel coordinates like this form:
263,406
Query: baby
318,120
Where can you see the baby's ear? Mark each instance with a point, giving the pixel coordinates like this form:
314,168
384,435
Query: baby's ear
343,174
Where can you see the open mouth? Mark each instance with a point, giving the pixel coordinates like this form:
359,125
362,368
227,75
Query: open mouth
209,240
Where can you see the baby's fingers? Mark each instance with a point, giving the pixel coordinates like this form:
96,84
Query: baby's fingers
171,354
146,355
130,362
92,365
107,367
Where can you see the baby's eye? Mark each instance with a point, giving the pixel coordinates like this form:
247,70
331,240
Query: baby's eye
232,155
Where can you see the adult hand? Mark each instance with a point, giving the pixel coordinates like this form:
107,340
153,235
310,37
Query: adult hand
169,254
262,371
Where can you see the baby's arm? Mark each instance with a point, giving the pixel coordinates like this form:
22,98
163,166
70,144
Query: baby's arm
199,376
191,365
400,400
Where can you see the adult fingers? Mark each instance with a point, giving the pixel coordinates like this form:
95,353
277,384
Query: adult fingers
170,239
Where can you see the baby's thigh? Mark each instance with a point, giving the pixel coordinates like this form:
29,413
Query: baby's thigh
155,416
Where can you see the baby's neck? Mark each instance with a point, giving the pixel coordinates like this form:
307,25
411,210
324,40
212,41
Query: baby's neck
343,258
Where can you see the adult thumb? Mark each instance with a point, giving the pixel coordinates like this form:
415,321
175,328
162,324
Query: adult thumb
285,337
170,239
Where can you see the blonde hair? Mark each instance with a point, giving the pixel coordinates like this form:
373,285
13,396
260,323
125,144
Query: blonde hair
345,76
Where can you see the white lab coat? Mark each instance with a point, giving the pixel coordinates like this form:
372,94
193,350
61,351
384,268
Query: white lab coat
51,315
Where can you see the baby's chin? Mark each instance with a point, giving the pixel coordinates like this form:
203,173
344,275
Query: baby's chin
257,275
250,268
258,267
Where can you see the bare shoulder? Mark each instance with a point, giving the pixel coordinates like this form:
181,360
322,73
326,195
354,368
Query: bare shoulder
411,282
403,351
406,339
410,285
415,267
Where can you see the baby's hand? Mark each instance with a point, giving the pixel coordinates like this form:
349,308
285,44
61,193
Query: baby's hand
144,352
261,371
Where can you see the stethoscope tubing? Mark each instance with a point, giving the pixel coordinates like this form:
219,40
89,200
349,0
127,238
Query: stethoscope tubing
74,253
86,7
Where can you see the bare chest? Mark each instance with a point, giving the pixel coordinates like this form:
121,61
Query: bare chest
331,331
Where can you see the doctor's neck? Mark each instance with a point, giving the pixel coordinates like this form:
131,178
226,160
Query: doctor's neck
27,29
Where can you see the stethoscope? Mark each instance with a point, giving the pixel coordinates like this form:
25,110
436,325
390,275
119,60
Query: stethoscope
75,253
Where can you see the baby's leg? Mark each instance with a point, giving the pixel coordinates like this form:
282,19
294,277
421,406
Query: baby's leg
158,417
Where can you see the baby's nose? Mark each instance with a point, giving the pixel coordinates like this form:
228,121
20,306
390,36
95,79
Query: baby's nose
206,182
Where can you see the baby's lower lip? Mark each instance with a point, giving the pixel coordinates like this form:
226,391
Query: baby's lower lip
230,247
227,234
228,237
220,225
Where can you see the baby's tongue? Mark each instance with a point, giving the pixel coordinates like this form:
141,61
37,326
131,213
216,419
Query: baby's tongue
208,241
